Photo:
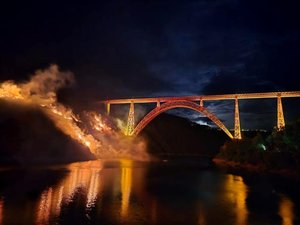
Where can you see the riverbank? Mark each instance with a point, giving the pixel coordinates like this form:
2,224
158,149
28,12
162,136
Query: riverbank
293,173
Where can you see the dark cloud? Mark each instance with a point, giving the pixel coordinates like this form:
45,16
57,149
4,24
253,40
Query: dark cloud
236,80
151,48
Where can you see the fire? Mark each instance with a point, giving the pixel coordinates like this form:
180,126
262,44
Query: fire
41,90
97,122
121,125
10,90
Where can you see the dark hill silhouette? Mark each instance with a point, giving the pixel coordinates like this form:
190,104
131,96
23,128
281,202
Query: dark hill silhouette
27,136
171,135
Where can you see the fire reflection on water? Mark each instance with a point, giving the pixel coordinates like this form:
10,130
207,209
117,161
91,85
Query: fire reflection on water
105,191
82,175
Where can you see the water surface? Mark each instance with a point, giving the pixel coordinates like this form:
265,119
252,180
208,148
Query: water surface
128,192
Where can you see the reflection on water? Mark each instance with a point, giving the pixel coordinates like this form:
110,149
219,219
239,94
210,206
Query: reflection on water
153,208
84,176
126,179
1,211
286,210
127,192
201,220
236,193
81,175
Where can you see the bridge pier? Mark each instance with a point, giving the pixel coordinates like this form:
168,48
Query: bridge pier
237,126
191,102
280,115
201,103
130,121
108,109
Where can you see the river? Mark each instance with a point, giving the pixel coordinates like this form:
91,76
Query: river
129,192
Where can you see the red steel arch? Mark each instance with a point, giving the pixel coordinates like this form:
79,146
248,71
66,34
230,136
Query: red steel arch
179,104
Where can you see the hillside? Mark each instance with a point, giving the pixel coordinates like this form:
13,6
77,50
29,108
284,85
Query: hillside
169,134
27,136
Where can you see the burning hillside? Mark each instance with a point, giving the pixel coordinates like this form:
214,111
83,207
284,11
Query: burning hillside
91,131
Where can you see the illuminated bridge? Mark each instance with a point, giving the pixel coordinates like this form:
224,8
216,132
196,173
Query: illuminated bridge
197,103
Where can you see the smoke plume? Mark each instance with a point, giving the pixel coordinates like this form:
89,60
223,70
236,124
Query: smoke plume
94,131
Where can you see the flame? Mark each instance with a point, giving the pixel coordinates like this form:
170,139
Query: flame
41,90
64,120
10,90
97,122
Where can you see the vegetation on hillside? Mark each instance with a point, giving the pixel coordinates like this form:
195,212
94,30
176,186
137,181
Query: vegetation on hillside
27,136
280,149
172,135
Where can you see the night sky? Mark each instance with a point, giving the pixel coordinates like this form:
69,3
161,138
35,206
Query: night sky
120,49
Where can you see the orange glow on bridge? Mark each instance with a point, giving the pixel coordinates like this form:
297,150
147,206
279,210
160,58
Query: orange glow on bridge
286,94
197,103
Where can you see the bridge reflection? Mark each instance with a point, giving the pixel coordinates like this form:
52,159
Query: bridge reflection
286,210
126,180
121,192
236,194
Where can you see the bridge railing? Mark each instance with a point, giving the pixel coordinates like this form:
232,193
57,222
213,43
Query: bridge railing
160,101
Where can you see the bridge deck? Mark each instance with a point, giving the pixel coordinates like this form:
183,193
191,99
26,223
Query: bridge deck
206,97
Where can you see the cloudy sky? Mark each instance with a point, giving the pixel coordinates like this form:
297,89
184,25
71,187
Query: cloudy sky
149,48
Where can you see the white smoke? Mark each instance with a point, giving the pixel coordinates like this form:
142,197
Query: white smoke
42,89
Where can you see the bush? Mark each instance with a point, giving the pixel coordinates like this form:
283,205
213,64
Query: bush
281,149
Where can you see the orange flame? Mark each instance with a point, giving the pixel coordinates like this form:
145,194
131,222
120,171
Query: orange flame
97,122
41,90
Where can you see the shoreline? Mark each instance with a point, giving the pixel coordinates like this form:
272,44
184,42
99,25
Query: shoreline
288,172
